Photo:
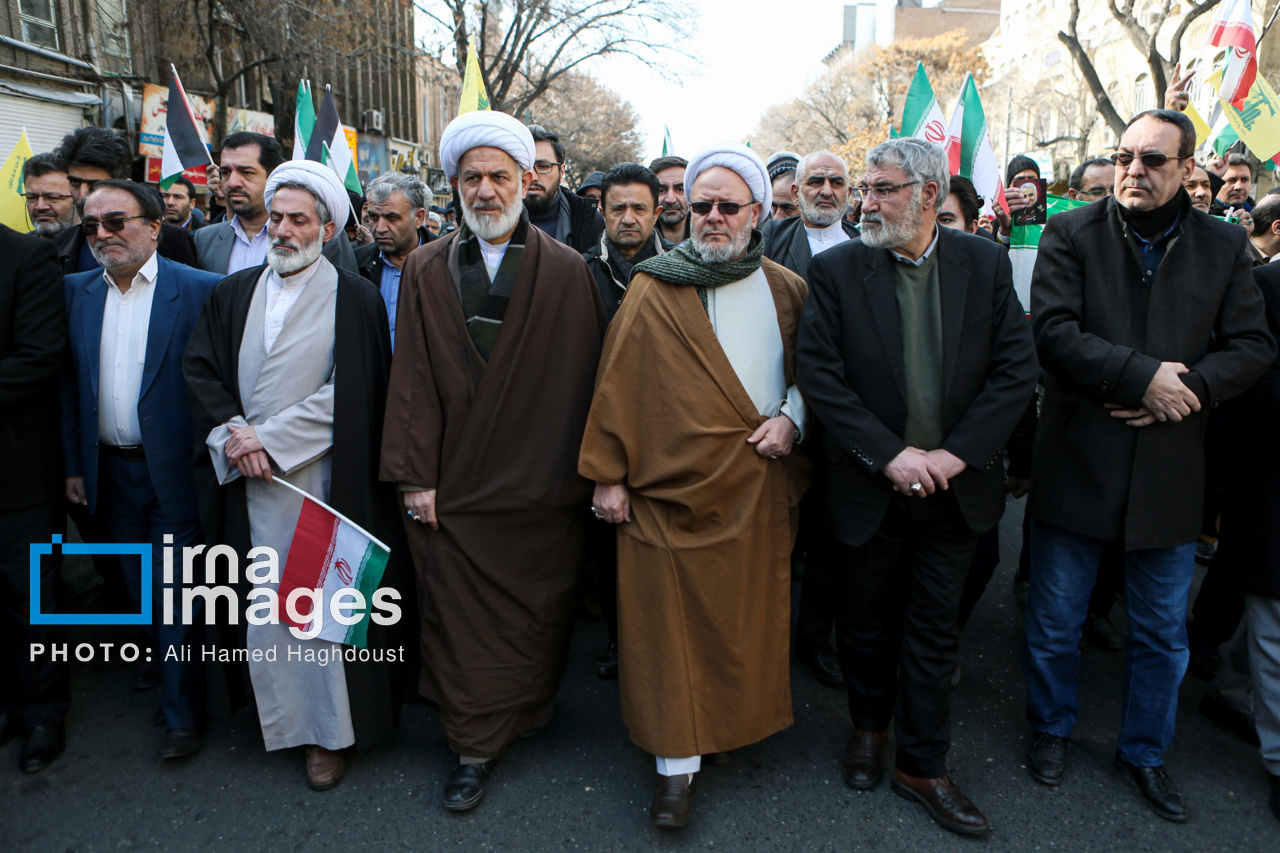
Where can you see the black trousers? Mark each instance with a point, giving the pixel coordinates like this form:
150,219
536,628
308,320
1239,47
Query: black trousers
602,566
38,691
820,586
1218,608
898,629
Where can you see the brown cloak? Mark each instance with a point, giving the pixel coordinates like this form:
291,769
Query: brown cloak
704,568
499,441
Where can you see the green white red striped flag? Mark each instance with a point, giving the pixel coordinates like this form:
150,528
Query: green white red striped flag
1024,248
921,115
331,554
184,145
969,147
304,120
1233,29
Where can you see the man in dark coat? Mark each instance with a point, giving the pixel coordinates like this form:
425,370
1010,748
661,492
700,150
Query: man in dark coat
34,689
630,232
568,217
1145,316
397,212
916,356
820,190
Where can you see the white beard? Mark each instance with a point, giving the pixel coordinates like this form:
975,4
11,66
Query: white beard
820,217
489,226
879,234
722,252
288,263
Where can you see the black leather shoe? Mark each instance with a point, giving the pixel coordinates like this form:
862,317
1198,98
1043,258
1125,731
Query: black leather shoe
1101,634
464,788
10,727
1047,758
179,743
1155,786
1223,714
607,663
822,662
41,746
1275,795
145,677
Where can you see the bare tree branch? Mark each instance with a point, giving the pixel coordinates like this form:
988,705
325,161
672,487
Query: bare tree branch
1084,62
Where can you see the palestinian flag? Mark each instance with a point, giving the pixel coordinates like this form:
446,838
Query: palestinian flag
184,145
921,115
1024,248
969,147
331,554
474,97
1233,29
328,145
304,120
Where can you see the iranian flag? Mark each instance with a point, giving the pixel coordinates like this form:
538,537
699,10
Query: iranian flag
331,554
921,115
328,144
1024,248
304,120
184,145
969,147
1233,29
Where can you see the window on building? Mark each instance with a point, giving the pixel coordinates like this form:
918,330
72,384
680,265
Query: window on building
39,23
114,15
1144,94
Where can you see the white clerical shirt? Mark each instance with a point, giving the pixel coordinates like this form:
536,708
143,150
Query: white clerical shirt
122,354
492,254
821,239
281,294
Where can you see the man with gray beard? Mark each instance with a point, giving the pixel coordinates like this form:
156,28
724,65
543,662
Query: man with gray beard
690,441
287,375
498,338
916,356
50,202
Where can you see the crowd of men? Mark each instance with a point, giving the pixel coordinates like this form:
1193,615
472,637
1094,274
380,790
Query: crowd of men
680,384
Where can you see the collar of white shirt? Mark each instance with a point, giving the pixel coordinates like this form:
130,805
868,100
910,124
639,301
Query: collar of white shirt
828,234
239,231
296,281
916,262
146,275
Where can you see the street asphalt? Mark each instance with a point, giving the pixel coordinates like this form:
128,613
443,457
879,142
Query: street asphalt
581,785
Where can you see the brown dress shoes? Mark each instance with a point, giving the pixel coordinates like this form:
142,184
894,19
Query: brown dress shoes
671,804
861,760
946,805
324,768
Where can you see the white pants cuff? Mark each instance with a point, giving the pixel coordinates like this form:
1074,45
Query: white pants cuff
677,766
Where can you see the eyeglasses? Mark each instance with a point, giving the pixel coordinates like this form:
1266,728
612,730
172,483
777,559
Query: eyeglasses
785,207
1151,160
542,167
878,193
728,208
51,198
114,225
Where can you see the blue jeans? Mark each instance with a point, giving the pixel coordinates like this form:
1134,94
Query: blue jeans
1157,581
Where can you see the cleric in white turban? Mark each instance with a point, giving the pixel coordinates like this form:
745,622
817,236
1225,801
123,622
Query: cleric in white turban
696,408
485,129
318,179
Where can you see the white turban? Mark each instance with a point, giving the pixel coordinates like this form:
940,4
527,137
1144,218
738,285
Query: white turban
737,158
486,129
319,178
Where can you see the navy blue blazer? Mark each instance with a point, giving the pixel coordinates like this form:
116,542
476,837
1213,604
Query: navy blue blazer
164,413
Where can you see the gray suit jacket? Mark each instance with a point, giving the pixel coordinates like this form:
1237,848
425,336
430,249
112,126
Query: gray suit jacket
213,249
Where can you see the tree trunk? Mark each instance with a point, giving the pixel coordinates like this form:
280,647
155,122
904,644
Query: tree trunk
1090,74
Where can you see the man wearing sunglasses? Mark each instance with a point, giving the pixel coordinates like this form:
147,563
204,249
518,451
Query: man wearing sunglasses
126,423
1146,317
689,441
50,204
916,356
568,217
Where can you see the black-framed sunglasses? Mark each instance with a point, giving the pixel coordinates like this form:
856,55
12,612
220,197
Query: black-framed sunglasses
114,225
1151,160
728,208
878,193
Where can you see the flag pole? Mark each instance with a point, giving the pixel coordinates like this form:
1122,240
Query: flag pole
350,204
328,508
207,152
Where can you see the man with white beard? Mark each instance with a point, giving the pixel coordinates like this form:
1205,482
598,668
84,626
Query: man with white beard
497,341
269,400
690,441
917,358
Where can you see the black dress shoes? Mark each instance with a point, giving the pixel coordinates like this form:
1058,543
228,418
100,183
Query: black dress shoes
944,802
1047,758
1223,714
179,743
822,662
41,746
1159,791
607,663
861,760
146,676
10,727
673,801
464,788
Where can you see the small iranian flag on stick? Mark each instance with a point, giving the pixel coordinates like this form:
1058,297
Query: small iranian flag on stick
184,146
921,115
970,150
1233,29
331,554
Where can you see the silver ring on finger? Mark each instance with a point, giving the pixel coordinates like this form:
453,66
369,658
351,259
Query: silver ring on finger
915,487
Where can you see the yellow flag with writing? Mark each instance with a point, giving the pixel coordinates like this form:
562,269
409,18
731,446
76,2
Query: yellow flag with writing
13,207
1258,122
1203,131
474,97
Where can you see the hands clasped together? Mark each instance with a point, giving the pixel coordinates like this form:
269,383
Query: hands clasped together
923,472
247,453
1167,399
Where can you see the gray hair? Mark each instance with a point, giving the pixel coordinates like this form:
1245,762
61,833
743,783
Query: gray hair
414,191
802,170
322,209
919,160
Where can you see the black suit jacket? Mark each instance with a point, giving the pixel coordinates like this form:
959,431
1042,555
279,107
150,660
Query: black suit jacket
1101,333
33,344
851,372
369,258
176,244
786,242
